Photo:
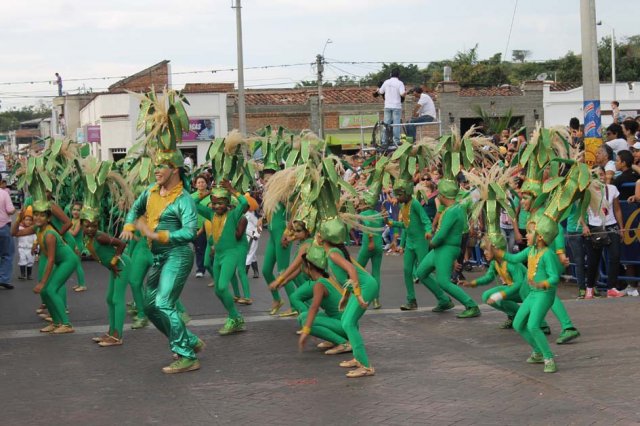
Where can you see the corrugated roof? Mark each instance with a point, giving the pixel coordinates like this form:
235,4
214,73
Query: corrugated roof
208,88
563,87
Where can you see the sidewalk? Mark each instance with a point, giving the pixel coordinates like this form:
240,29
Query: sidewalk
431,369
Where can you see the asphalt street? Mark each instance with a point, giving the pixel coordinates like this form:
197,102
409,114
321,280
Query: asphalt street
430,368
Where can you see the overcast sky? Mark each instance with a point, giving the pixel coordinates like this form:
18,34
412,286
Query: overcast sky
89,38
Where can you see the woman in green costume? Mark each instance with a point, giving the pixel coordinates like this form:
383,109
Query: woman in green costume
73,238
59,260
108,251
361,289
372,244
326,294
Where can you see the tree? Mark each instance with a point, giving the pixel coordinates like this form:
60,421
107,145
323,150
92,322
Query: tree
10,120
311,83
409,74
345,80
520,55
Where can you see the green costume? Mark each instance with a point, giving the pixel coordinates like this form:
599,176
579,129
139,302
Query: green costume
541,269
241,269
275,254
65,262
75,243
172,261
327,325
514,289
353,312
415,224
374,255
445,246
104,254
227,252
304,292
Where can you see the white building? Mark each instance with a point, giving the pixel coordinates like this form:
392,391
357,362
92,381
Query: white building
561,102
114,116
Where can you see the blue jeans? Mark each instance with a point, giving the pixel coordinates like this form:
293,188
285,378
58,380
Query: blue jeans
392,116
577,244
200,244
412,130
6,254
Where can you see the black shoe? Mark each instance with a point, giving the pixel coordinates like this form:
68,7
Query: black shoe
256,276
6,286
412,305
21,278
546,330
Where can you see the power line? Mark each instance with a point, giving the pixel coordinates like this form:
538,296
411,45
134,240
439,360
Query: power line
513,17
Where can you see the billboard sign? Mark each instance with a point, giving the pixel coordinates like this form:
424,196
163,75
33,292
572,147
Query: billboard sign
200,129
357,121
93,134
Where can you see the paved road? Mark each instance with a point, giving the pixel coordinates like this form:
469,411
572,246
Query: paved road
431,368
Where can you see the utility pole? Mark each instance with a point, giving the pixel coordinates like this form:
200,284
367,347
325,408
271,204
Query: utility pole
320,67
242,115
613,62
590,79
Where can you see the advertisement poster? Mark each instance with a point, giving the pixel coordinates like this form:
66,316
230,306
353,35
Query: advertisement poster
200,129
93,134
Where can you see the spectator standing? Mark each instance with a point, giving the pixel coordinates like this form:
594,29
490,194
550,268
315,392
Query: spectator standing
393,90
616,139
26,256
604,159
6,240
577,244
615,111
188,163
59,83
604,230
624,161
629,129
253,231
423,112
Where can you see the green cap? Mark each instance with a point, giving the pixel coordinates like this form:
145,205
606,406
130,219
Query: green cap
220,192
403,186
317,256
448,188
333,231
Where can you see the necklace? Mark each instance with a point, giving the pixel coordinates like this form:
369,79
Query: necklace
504,274
217,226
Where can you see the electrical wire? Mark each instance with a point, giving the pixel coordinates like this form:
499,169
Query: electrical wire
513,17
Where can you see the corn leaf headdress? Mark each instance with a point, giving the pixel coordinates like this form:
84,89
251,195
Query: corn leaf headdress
100,183
411,158
164,119
229,163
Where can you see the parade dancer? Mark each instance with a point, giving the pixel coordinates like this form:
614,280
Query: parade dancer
227,250
445,248
57,258
169,223
361,288
73,238
326,294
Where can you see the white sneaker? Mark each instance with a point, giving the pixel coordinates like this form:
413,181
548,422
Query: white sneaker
199,275
632,291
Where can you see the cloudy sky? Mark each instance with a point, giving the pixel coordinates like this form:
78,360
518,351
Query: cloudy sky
88,40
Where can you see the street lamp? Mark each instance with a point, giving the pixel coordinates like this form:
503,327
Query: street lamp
613,58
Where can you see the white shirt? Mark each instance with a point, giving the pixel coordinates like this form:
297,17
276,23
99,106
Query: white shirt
595,218
392,89
252,226
618,145
427,107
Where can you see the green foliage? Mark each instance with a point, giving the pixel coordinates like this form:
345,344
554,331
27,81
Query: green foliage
10,120
409,74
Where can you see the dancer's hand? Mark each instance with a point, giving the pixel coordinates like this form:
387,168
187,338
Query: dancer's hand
464,283
302,341
274,286
371,246
38,288
284,242
428,236
343,301
363,304
115,270
126,235
564,259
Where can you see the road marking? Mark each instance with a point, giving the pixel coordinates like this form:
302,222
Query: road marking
208,322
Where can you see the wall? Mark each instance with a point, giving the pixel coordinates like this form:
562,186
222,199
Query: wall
561,106
452,102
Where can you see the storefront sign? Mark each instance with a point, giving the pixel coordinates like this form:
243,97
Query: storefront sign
93,134
357,121
200,129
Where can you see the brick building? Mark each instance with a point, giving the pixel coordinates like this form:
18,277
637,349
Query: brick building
345,109
458,105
